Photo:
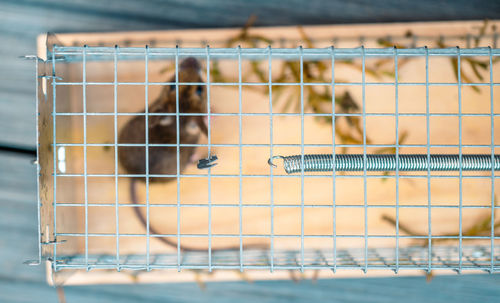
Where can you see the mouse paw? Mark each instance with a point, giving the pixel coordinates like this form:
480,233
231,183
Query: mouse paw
166,121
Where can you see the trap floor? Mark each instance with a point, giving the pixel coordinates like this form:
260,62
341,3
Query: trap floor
255,130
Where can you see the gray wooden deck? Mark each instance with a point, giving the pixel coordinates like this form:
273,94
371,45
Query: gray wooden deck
22,20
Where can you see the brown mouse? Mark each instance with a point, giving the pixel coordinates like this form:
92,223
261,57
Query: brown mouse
163,130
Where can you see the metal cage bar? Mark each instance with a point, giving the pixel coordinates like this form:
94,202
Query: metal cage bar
334,179
115,125
271,147
492,249
429,257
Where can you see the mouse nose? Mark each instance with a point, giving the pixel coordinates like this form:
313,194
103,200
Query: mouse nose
190,63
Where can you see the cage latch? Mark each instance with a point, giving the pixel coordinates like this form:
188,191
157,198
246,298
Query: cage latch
207,162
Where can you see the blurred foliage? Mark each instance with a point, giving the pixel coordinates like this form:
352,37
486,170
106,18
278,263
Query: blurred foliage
315,98
318,99
475,64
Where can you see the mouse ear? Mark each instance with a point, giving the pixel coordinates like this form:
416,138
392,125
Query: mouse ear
190,63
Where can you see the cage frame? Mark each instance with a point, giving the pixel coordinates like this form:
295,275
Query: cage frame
47,81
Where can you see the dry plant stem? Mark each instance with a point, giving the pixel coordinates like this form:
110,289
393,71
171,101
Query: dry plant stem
313,71
464,77
481,228
315,276
199,280
392,150
61,297
429,276
402,227
482,32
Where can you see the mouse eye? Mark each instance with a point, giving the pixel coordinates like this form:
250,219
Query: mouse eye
172,86
199,90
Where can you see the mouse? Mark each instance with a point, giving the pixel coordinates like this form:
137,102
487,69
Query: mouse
162,129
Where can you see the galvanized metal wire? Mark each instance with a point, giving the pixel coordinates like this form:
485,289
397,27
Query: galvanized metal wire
431,167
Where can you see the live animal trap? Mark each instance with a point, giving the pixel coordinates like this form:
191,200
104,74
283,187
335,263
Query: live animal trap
386,158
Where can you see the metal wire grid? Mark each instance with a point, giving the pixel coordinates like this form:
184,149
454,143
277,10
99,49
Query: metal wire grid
427,258
410,258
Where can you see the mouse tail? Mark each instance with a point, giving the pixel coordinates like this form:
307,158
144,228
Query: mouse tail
142,219
171,243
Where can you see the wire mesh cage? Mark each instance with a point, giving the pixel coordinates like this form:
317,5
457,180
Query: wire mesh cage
406,176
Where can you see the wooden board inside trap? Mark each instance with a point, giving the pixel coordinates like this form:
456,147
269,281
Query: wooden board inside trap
256,130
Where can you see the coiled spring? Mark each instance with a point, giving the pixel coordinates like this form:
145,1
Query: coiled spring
405,162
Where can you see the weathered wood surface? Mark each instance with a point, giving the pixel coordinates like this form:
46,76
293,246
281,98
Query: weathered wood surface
20,23
22,20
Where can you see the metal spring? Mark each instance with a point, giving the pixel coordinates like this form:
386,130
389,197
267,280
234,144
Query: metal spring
407,162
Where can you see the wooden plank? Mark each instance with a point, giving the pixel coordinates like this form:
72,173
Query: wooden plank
196,14
466,288
318,221
22,21
18,228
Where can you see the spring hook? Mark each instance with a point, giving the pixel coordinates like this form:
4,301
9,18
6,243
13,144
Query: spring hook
404,162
